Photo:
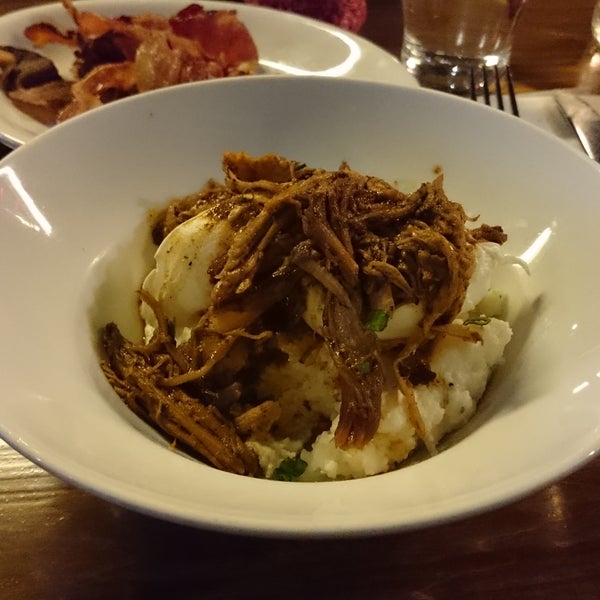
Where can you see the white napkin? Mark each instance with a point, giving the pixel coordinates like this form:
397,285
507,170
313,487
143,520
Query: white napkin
540,109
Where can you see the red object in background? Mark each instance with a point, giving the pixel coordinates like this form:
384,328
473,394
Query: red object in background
349,14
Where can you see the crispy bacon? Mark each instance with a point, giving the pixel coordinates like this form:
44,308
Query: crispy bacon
42,34
118,57
221,34
103,84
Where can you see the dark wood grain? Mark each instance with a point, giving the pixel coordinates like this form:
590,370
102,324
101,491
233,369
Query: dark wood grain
59,542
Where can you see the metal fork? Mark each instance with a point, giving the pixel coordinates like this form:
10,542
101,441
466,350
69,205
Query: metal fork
494,73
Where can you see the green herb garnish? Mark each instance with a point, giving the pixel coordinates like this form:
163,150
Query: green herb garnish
289,469
477,321
377,320
364,367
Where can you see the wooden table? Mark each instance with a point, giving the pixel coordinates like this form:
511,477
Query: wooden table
58,542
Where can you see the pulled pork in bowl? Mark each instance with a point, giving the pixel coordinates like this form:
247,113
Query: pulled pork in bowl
312,324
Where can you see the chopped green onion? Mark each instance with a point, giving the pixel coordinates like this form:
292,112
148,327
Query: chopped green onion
377,320
289,469
477,321
364,367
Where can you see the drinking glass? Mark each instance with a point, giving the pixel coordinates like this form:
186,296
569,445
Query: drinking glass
445,41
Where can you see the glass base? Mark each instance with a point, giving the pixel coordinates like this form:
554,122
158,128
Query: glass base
448,73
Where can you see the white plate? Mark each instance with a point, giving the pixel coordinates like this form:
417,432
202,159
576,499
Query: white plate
287,44
73,198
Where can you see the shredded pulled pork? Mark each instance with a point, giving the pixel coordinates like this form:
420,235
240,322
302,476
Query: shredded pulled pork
118,57
363,244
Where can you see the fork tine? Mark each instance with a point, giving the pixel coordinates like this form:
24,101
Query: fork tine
486,87
511,93
497,81
472,84
498,85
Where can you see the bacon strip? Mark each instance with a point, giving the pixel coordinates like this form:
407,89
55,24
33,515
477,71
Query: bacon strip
118,57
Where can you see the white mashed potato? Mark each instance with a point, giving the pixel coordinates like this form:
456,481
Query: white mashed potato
463,369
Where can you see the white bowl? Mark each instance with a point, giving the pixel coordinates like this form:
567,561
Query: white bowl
73,199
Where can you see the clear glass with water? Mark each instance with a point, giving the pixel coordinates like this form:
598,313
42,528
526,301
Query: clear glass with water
444,40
